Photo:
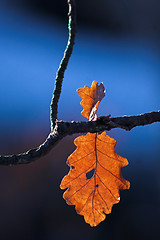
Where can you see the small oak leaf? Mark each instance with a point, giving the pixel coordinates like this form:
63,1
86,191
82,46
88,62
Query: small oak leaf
91,97
94,179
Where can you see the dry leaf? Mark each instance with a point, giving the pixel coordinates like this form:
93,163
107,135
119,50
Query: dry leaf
91,97
94,178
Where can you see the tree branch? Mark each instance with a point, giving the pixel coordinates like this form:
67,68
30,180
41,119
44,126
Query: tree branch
63,63
60,129
106,123
63,129
33,154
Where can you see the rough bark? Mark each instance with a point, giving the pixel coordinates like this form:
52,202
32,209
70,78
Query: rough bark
63,129
60,129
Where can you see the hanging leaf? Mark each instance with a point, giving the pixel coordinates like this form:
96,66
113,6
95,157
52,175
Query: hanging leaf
94,179
91,97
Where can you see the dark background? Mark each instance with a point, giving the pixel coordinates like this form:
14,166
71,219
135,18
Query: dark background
118,44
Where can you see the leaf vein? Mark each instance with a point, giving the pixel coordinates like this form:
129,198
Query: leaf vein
87,95
111,173
82,157
78,190
109,156
86,201
102,199
106,187
105,141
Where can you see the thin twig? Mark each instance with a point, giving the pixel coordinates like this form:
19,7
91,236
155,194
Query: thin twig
63,129
60,129
63,63
31,155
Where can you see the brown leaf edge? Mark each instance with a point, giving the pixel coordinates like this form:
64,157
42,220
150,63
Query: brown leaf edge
78,186
91,97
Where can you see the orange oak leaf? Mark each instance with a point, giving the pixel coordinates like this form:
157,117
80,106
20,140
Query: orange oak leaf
94,179
91,97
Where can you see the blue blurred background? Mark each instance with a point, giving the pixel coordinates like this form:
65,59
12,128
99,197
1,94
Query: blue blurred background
118,44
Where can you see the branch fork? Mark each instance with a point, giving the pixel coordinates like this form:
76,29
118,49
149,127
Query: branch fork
60,129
